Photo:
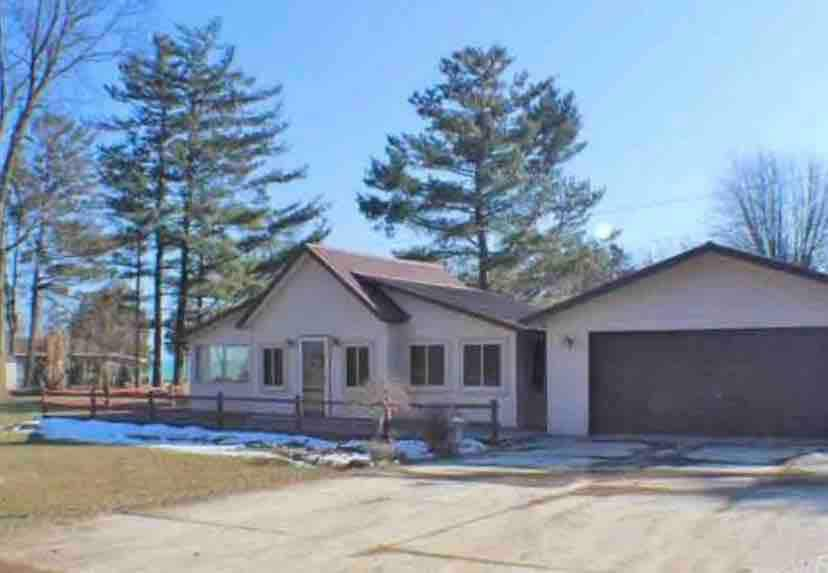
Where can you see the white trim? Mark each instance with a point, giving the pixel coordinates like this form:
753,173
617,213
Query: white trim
284,387
327,391
204,360
447,384
372,361
500,342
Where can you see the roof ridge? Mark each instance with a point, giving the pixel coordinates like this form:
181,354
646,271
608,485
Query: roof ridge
367,275
376,257
649,270
461,287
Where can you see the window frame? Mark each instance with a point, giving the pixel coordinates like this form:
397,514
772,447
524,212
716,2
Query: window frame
426,344
481,344
357,345
283,387
203,361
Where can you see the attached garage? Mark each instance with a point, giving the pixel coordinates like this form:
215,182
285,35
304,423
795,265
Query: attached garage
711,342
755,382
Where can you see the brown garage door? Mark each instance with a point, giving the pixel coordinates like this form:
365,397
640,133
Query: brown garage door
769,382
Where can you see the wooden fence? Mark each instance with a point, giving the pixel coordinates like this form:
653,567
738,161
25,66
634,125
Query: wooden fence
157,405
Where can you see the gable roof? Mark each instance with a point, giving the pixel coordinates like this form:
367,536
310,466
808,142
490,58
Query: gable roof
370,279
345,267
485,305
709,247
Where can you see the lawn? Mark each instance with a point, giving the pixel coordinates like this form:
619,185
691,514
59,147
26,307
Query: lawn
54,483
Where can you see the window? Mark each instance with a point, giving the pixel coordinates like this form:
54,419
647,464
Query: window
481,364
357,365
428,365
272,367
224,363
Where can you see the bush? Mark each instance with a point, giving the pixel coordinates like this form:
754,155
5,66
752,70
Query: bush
437,431
380,451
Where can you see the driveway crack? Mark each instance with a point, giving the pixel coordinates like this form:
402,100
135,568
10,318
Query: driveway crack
203,523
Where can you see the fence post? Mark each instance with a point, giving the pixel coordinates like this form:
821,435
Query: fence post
106,397
151,404
298,412
93,406
495,421
220,410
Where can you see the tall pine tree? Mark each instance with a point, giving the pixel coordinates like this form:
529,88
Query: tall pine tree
483,180
59,247
196,165
148,88
126,200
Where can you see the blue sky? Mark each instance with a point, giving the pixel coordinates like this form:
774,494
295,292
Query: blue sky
670,92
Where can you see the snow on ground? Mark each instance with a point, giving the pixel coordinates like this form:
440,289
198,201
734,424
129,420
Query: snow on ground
537,459
193,439
816,462
749,455
599,449
97,432
235,451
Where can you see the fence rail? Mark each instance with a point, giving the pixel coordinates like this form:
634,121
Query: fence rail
152,404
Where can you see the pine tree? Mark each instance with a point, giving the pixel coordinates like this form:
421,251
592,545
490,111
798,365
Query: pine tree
563,266
484,175
148,87
58,184
226,225
134,217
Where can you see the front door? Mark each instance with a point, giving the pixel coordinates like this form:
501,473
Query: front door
314,375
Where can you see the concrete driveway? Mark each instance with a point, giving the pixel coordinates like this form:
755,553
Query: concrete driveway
482,520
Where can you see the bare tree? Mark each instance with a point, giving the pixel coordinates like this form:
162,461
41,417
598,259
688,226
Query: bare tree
775,207
41,43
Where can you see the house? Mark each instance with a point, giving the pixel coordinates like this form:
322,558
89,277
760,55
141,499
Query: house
331,321
713,341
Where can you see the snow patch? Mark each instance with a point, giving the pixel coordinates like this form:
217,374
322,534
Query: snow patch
193,439
747,455
816,462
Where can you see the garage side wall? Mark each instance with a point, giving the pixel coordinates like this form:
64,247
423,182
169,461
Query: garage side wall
707,292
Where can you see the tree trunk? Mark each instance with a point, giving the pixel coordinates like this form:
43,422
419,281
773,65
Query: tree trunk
184,269
139,270
200,299
34,313
4,354
482,229
11,295
158,311
180,317
482,251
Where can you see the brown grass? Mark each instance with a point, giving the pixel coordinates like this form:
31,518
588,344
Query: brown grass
55,483
6,567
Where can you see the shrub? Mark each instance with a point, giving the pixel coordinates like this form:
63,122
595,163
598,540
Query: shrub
385,400
437,431
380,451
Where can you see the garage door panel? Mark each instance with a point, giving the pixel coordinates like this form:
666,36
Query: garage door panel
726,382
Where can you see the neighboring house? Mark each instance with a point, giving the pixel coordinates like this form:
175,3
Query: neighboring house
713,341
84,362
332,321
